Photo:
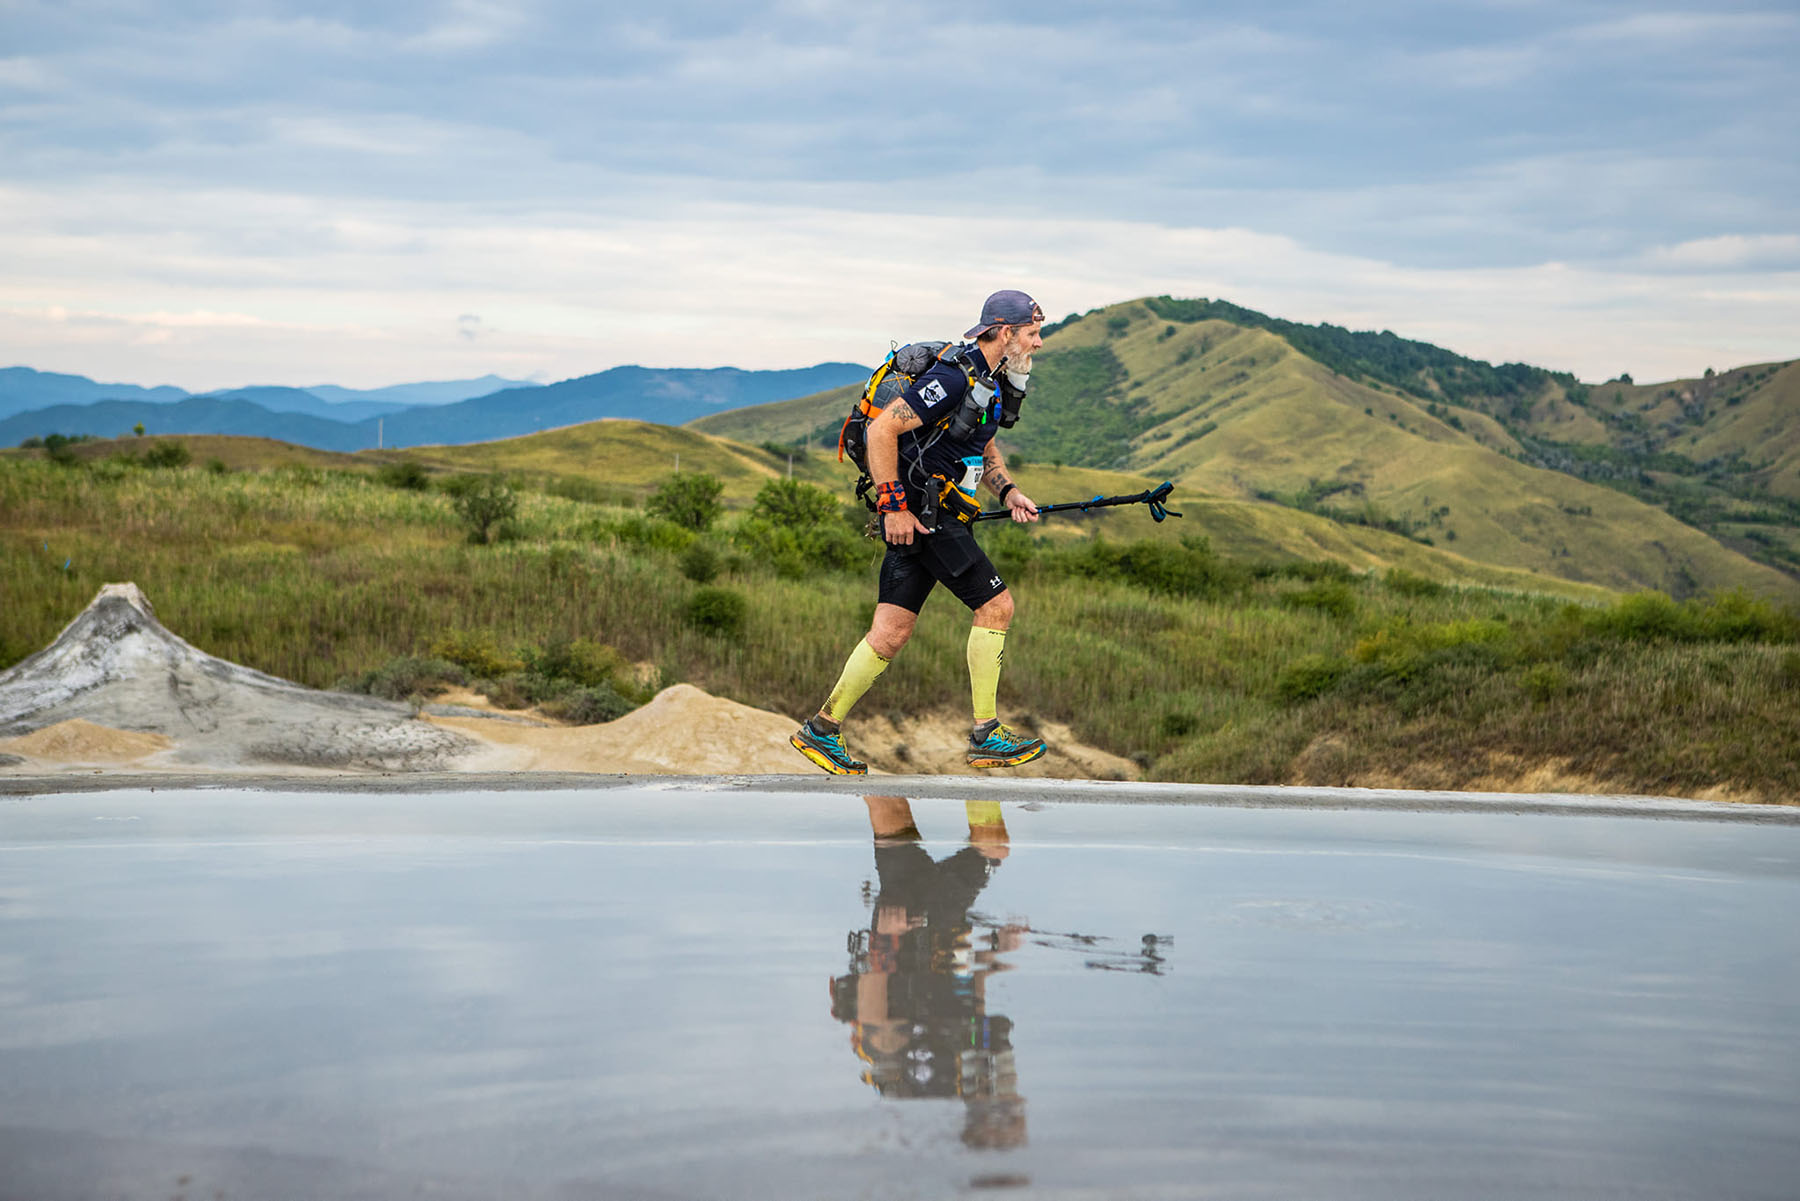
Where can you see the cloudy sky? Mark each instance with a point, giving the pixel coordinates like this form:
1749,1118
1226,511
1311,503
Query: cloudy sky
307,191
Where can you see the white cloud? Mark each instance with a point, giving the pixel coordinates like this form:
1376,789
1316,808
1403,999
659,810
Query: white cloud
1731,252
388,292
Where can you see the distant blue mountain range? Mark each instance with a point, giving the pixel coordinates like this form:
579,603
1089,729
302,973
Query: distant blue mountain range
669,396
21,389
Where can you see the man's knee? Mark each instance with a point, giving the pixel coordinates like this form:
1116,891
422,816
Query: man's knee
996,614
891,628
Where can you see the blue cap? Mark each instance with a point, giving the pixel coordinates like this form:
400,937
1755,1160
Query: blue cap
1008,307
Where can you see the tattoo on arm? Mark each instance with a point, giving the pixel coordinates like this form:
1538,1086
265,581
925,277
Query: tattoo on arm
996,479
901,414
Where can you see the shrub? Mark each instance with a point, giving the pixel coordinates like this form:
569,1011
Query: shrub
167,454
1179,725
1406,583
477,652
794,552
581,661
1544,681
700,562
1315,571
1190,569
1308,677
651,533
403,677
218,466
1334,599
485,505
57,447
406,473
589,706
690,501
716,611
794,503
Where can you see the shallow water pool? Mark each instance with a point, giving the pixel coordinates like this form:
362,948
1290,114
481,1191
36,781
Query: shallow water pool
664,992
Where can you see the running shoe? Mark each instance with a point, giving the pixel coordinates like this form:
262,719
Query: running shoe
1003,748
827,750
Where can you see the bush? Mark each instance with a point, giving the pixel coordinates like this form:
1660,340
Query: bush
167,454
700,562
794,503
581,661
649,532
589,706
476,652
58,448
1308,677
218,466
794,552
486,505
1190,569
403,677
1333,599
690,501
1406,583
406,474
716,611
1544,681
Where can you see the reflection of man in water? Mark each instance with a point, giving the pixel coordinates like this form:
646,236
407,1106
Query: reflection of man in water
916,995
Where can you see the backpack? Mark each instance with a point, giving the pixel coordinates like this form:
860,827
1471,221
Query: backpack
895,375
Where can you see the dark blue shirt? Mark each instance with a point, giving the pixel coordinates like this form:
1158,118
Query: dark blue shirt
935,396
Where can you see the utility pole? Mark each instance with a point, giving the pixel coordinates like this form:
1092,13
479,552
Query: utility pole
380,424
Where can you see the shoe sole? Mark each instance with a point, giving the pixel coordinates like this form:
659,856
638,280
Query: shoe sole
825,761
1006,761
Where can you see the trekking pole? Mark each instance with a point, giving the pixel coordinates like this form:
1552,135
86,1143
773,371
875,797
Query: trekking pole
1153,497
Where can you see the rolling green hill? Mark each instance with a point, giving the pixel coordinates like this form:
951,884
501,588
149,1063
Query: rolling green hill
1378,432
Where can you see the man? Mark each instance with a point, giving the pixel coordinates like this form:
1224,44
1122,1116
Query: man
921,448
915,997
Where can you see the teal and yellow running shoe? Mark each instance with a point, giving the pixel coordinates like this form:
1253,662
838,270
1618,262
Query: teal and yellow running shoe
827,750
1003,748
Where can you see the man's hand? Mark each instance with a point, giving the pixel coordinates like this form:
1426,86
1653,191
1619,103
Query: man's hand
899,528
1020,505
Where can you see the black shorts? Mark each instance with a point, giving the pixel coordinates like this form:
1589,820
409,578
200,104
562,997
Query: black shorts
952,558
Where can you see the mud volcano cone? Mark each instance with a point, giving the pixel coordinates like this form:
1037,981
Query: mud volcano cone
117,666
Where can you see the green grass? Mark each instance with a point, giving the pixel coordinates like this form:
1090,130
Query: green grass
1200,665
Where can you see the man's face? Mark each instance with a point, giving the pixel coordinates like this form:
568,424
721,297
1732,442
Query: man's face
1023,341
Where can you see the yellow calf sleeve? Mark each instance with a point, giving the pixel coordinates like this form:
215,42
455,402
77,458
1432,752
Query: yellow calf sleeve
987,649
861,670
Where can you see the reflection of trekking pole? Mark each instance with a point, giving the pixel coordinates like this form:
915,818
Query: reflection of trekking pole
1154,498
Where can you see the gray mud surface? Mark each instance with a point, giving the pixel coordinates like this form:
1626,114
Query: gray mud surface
116,665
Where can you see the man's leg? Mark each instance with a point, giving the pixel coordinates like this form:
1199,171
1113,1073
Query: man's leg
987,652
905,583
992,744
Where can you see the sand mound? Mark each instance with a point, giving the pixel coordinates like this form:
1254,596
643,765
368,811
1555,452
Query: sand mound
686,731
116,666
682,731
82,742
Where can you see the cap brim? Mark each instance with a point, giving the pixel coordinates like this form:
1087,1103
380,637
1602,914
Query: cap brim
980,330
